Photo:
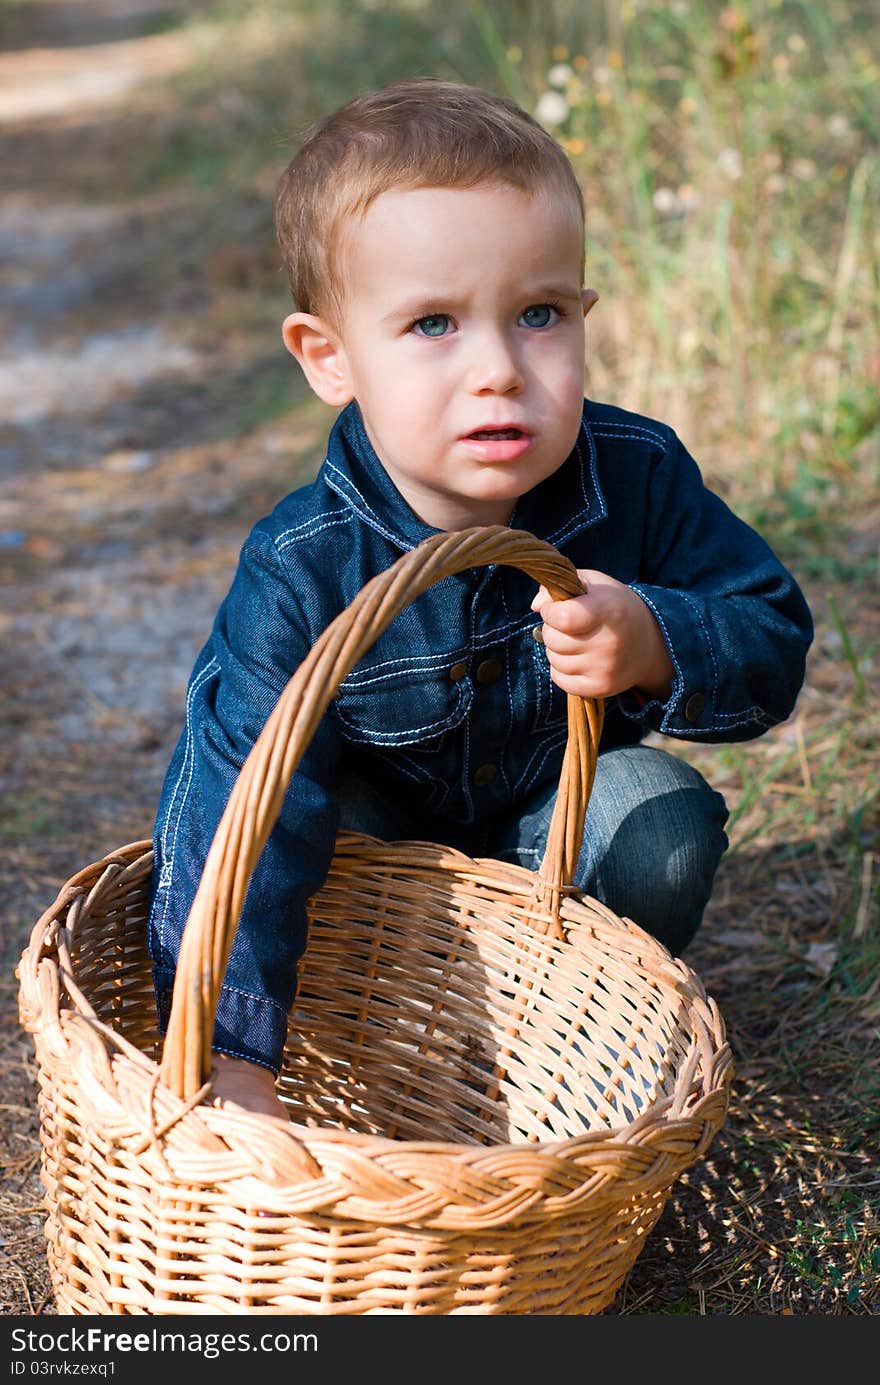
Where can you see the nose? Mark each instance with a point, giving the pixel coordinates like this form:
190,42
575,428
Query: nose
494,368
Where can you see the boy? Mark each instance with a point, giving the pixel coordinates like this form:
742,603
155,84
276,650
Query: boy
434,238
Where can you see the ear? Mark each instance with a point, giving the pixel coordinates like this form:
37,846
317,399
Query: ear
589,297
320,352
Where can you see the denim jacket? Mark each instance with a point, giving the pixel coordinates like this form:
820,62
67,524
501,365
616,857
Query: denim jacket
457,682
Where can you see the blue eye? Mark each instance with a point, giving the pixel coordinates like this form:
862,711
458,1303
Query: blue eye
543,310
429,324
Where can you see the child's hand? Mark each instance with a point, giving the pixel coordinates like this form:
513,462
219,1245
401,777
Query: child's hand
604,642
248,1085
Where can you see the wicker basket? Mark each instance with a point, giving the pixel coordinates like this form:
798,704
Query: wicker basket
493,1081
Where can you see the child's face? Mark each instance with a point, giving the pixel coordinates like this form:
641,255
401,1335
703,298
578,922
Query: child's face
463,311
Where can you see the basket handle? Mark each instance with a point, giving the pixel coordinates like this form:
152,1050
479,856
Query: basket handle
258,793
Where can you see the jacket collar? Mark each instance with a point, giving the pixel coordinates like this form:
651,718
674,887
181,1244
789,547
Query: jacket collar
555,510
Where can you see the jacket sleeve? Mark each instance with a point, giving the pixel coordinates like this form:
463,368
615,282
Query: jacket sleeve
259,638
736,623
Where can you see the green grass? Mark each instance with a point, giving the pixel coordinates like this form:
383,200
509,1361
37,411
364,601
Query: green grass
816,1258
728,156
26,815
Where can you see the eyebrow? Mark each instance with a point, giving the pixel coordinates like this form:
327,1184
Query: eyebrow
428,303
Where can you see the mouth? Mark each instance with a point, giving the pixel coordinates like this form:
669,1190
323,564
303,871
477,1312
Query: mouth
497,434
498,444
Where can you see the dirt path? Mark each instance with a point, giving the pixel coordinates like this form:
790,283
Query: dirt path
124,494
124,491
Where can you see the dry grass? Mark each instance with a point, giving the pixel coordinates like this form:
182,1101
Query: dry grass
116,575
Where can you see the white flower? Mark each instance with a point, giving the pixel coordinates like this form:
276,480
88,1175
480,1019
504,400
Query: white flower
838,125
560,75
603,75
730,163
552,108
665,201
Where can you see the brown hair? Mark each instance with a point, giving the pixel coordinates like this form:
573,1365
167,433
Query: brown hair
422,132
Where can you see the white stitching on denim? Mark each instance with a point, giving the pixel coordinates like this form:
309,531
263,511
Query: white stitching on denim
212,666
510,714
418,663
419,774
538,662
465,787
627,431
585,431
741,718
525,851
421,663
552,741
288,537
399,761
237,1053
579,522
167,871
706,636
634,586
261,999
735,719
370,517
499,632
753,713
388,737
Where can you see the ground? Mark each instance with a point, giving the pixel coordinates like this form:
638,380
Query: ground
125,381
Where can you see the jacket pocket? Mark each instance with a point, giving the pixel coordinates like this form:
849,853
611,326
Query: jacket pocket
413,706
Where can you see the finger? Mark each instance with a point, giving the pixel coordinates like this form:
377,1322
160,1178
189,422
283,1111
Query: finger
559,643
579,684
540,598
572,617
575,665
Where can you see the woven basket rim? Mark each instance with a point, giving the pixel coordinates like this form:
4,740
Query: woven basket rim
220,1120
312,1136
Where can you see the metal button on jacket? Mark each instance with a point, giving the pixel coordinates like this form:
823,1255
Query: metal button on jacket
484,775
693,708
457,672
489,671
538,634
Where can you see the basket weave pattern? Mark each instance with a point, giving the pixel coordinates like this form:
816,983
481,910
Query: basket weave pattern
493,1081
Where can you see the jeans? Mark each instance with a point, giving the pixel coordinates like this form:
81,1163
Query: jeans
653,836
